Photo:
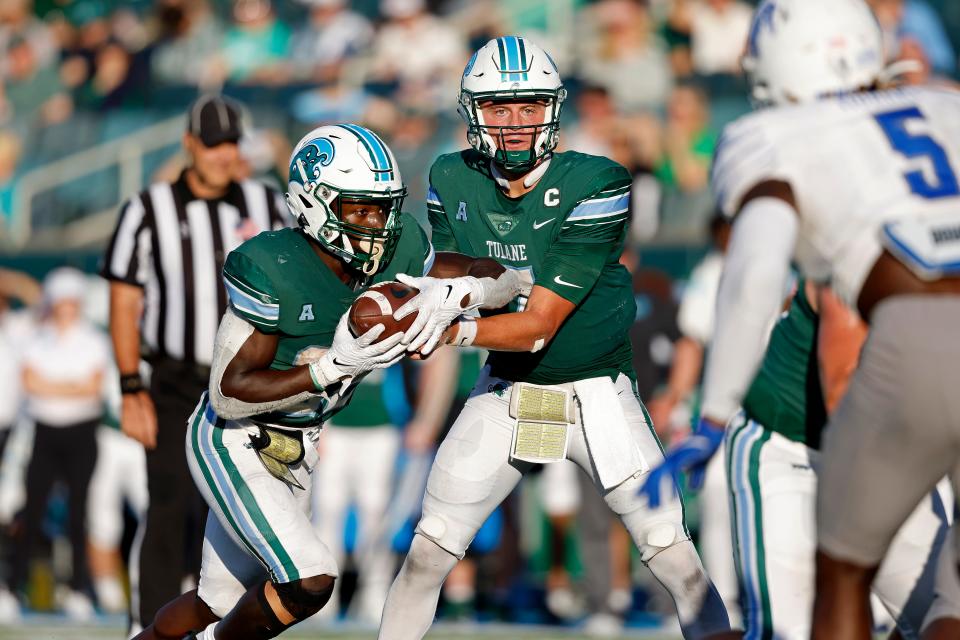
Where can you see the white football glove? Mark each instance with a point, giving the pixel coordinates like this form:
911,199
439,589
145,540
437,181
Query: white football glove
437,305
350,357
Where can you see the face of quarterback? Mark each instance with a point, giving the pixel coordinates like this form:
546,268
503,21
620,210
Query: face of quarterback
526,117
216,166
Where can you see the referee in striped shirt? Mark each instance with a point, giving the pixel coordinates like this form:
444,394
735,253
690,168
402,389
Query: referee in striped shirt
166,300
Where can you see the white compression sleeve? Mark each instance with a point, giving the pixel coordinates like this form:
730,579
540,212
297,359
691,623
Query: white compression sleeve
755,273
231,335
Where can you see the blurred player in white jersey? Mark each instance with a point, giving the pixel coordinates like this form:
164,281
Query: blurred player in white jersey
859,185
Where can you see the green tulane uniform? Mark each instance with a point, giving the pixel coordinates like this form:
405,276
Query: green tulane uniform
277,283
567,235
785,396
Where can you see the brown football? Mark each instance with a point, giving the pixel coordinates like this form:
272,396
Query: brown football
376,306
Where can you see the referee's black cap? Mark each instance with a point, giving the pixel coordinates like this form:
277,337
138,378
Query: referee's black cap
215,120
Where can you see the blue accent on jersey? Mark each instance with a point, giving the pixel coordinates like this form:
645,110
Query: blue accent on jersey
894,125
951,269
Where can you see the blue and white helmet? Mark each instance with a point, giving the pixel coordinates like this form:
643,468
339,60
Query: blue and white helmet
511,68
801,50
346,163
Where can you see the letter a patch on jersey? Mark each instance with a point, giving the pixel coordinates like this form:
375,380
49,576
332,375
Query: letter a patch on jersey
306,313
462,211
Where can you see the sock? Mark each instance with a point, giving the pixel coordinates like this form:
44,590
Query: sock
412,601
699,606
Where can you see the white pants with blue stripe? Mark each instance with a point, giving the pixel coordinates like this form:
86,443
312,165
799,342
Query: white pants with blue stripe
773,488
259,527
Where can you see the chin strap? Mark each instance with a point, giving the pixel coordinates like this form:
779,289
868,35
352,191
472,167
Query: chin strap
528,180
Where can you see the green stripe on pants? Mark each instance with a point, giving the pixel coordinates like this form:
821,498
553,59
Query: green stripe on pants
253,509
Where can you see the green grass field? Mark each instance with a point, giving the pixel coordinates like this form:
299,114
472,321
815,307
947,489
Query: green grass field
55,628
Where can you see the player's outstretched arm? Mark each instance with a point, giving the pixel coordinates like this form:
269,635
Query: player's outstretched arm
527,330
457,284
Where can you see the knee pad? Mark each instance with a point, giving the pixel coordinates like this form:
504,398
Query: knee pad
445,533
653,532
303,598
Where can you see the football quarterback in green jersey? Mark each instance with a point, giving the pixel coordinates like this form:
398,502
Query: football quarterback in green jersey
285,360
558,382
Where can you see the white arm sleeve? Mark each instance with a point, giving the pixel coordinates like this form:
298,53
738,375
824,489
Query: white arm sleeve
231,335
751,292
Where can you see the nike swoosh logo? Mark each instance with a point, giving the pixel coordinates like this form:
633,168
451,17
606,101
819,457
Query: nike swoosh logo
449,291
339,364
559,280
537,225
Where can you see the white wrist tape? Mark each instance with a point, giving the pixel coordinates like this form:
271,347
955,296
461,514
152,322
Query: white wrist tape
324,373
466,332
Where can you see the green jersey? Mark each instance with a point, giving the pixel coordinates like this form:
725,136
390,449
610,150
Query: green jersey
367,408
277,283
566,235
785,395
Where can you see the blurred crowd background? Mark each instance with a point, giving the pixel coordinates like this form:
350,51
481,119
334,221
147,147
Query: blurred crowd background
92,100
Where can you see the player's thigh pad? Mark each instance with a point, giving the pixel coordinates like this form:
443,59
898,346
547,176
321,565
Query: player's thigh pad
652,530
894,434
472,472
227,569
773,487
264,515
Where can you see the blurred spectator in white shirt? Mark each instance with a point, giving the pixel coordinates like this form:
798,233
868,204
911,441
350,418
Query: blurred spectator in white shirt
63,370
718,32
419,52
189,35
332,35
622,54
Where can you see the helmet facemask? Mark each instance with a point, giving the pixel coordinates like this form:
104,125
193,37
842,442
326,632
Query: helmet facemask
362,248
490,140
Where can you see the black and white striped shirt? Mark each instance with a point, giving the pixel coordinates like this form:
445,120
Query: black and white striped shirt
173,244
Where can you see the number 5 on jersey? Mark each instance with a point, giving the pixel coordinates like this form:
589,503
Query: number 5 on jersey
910,145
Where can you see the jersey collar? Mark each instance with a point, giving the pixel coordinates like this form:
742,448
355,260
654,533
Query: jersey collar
528,180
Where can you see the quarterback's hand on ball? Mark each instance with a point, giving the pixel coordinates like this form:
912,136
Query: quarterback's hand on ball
439,302
691,455
350,357
138,418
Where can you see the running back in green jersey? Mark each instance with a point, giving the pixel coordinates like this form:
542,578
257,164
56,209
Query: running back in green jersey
567,235
277,283
785,395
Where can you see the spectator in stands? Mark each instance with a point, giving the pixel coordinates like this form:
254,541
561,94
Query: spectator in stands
34,94
256,47
17,21
688,141
718,32
15,329
622,53
331,36
190,35
917,24
417,55
62,373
